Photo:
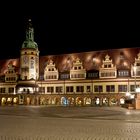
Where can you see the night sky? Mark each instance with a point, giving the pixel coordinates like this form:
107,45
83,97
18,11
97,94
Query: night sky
68,30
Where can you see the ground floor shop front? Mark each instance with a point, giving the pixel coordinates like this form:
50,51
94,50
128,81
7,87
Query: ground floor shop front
63,100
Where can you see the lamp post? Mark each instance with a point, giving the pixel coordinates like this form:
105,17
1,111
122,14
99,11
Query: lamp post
135,75
137,90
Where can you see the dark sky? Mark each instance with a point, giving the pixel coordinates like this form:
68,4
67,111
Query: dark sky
71,29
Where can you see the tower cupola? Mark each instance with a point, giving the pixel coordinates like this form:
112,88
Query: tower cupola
29,41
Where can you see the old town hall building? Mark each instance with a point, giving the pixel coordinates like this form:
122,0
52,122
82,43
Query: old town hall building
97,78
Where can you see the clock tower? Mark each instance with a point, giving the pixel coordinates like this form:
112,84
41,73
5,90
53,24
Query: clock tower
29,56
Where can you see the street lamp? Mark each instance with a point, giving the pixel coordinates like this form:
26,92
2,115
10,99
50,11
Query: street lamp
138,90
135,75
128,94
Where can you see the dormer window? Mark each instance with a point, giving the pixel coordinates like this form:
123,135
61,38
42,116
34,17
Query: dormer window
123,73
107,70
10,75
50,72
135,68
77,71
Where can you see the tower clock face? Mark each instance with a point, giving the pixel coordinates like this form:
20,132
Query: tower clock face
25,59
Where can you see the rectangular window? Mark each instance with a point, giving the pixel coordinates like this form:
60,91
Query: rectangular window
79,88
54,77
110,88
132,88
69,89
138,73
98,88
2,90
105,66
88,88
32,63
59,89
109,65
42,77
64,76
11,90
42,89
80,75
93,75
107,74
122,88
50,89
123,73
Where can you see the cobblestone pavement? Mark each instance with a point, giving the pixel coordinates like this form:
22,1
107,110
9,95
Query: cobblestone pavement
69,123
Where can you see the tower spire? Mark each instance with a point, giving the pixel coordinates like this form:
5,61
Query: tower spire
29,40
29,31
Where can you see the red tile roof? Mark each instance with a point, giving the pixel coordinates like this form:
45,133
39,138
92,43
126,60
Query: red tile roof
64,61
